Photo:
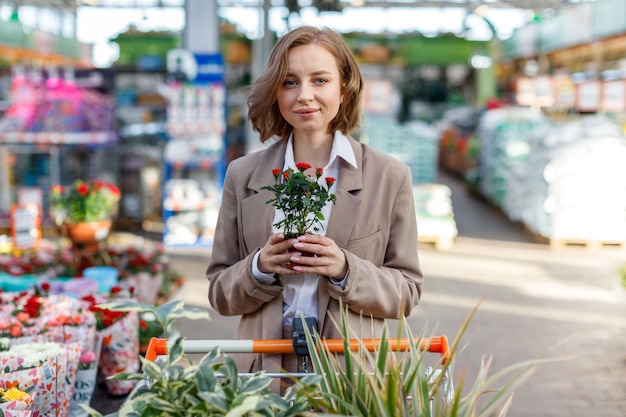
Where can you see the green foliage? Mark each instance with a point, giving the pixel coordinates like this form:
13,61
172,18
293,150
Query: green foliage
361,383
301,198
84,201
403,384
174,386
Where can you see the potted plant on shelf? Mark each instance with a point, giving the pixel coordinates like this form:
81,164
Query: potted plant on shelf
301,198
84,210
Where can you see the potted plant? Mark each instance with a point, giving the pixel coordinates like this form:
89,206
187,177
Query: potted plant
403,384
84,209
301,198
173,385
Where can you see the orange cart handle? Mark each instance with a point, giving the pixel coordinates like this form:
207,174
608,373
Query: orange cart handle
158,346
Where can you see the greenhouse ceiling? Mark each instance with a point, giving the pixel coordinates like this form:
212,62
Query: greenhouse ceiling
535,5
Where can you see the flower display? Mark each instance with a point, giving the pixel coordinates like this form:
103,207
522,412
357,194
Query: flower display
104,317
84,201
47,368
301,198
46,261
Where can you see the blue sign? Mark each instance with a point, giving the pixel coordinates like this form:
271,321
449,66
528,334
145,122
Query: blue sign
210,68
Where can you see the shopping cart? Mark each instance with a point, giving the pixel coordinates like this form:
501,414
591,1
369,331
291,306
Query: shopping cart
438,344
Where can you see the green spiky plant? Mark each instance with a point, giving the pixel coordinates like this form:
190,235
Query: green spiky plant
402,384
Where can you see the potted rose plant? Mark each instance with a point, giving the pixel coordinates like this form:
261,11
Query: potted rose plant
84,209
301,199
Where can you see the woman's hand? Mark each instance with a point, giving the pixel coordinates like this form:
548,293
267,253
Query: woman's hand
274,256
327,258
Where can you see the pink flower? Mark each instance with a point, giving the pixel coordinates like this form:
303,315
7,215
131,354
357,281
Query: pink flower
88,357
87,360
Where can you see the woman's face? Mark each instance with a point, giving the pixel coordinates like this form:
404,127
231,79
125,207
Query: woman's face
310,95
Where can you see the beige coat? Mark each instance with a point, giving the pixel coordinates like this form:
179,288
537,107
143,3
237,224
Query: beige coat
373,221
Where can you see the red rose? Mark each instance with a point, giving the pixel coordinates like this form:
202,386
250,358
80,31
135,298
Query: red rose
82,189
276,172
319,172
330,181
286,175
302,166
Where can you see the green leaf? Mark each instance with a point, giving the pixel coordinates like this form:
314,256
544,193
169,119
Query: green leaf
255,384
162,405
248,405
126,305
127,376
191,313
165,311
206,378
216,401
151,369
176,351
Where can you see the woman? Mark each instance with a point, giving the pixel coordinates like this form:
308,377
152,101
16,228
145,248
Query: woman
309,97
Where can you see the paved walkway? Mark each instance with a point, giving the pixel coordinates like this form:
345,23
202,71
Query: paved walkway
563,304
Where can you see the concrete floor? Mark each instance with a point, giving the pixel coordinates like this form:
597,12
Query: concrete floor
565,304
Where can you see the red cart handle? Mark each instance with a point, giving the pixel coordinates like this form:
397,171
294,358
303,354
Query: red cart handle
158,346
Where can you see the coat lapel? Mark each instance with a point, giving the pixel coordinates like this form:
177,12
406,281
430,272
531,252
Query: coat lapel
342,217
258,215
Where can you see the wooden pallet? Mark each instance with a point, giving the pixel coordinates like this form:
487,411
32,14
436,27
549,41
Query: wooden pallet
441,243
585,243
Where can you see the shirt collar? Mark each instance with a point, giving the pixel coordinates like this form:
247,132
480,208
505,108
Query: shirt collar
341,148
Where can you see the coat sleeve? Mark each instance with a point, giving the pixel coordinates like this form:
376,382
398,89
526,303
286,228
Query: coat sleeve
392,289
232,288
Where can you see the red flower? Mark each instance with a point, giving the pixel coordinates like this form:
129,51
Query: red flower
114,190
319,172
276,172
82,189
330,181
286,175
33,306
302,166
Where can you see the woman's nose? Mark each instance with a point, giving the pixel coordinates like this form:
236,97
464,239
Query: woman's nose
305,93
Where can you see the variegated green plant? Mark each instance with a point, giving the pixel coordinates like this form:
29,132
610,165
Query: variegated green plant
172,386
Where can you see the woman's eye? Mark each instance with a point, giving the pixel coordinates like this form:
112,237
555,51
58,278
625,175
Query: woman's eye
289,83
321,80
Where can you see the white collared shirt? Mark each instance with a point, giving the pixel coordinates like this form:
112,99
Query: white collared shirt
300,291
